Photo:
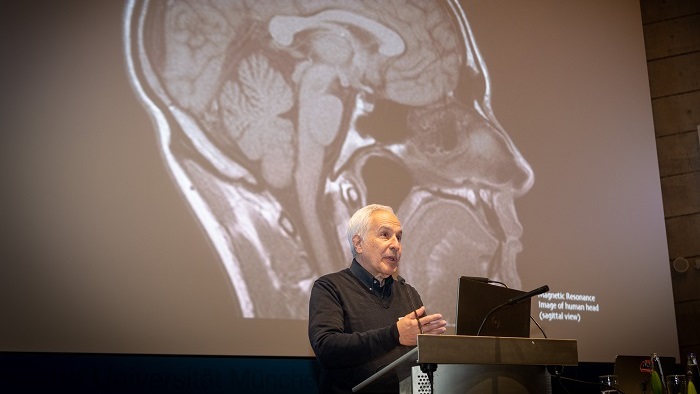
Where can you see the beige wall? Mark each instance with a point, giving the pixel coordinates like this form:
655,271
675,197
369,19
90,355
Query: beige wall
672,40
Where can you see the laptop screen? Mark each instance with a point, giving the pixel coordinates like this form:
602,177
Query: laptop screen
475,299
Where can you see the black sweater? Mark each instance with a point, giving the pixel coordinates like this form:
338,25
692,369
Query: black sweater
353,330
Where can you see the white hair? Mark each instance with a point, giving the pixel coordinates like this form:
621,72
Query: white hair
359,222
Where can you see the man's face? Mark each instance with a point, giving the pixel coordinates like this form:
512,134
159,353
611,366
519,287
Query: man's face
379,251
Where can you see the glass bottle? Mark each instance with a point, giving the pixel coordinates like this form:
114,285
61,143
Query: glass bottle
691,366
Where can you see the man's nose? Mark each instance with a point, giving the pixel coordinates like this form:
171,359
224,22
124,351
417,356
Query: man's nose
394,244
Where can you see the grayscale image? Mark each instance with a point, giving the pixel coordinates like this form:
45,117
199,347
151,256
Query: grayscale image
279,119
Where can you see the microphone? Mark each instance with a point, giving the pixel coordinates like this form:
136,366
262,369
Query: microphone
413,304
513,301
427,369
528,295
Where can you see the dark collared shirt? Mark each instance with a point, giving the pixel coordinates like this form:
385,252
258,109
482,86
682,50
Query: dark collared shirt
371,282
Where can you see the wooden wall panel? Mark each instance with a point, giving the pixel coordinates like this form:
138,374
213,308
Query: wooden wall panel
676,114
678,154
658,10
689,334
672,41
681,194
674,75
684,289
672,37
683,234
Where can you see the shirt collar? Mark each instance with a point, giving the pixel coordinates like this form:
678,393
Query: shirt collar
370,282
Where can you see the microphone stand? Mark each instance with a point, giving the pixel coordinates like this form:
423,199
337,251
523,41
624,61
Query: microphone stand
491,312
426,368
429,369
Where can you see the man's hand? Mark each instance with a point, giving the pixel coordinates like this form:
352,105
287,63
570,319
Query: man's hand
409,329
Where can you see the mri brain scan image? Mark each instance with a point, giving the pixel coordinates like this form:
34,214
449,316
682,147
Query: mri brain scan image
278,119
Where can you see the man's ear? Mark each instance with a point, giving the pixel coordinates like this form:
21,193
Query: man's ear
357,243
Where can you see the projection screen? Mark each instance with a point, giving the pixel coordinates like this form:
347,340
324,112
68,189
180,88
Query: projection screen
181,172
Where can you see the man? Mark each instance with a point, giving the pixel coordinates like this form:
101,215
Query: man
360,319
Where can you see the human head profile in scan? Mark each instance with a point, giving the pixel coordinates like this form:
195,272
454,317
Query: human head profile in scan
279,119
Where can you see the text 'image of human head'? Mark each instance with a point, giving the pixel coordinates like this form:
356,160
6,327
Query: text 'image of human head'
279,119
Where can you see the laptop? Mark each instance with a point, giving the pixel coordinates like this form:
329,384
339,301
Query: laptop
634,372
475,299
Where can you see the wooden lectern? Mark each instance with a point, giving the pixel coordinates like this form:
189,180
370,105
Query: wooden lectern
480,364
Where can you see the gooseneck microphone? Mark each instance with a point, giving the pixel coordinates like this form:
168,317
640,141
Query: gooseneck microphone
487,280
426,368
528,295
413,303
513,301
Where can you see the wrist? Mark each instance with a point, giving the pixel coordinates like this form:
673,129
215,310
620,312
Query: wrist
395,333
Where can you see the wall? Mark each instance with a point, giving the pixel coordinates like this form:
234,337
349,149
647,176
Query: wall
122,373
672,40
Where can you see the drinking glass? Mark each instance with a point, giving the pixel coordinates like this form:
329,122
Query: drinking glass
676,384
608,383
